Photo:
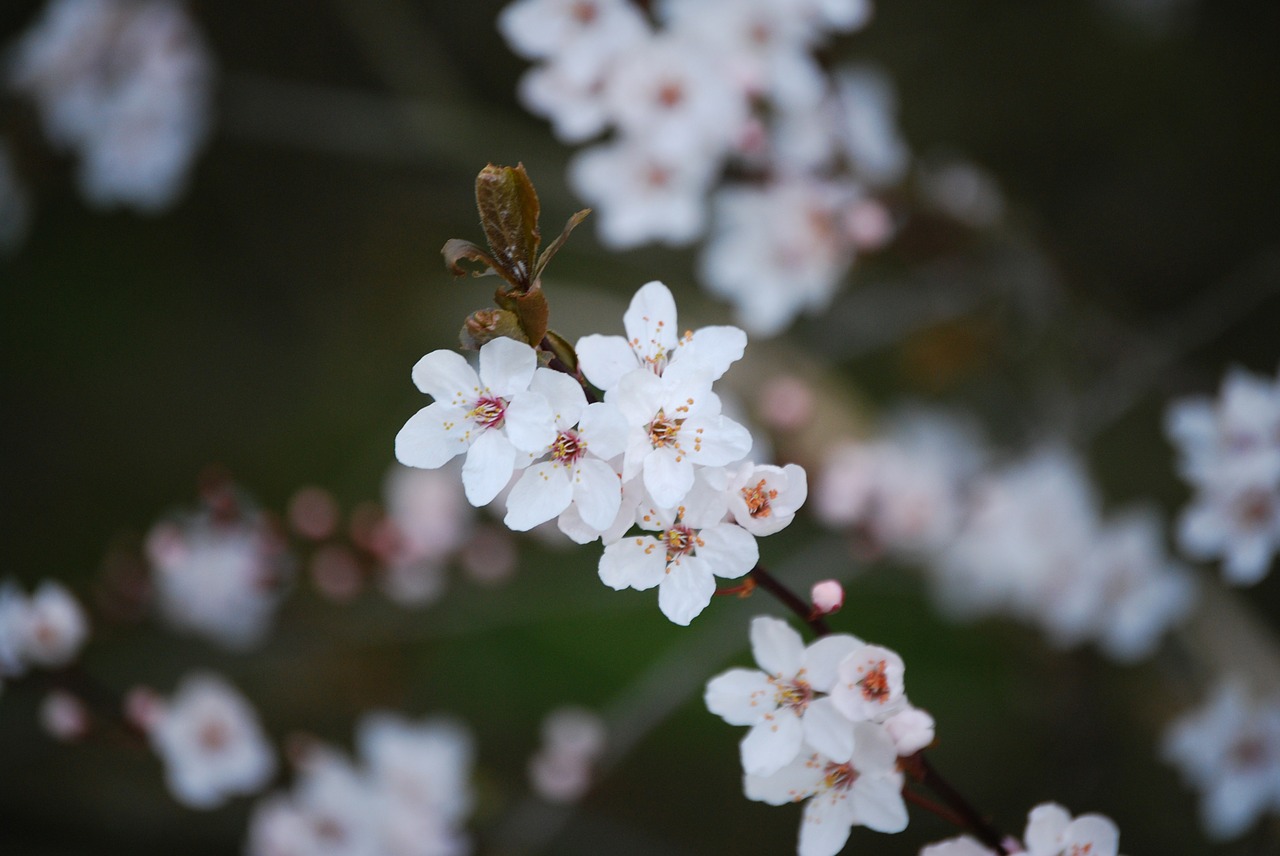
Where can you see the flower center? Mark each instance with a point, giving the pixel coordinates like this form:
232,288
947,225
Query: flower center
663,431
1254,508
680,541
758,499
793,694
214,735
875,683
840,776
670,94
488,412
584,12
568,447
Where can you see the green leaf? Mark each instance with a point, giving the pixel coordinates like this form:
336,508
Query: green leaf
508,207
554,247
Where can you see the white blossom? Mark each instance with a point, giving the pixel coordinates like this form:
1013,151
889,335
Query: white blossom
573,739
763,499
782,704
491,416
211,743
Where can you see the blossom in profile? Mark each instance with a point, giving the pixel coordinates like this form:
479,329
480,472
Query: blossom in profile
126,85
211,743
1050,831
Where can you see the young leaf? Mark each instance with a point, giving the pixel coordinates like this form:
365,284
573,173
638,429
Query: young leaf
508,207
562,350
456,250
554,247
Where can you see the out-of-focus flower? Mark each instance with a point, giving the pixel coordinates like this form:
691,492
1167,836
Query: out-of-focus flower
46,629
125,84
1230,452
220,579
64,716
1228,749
427,521
572,740
211,743
409,796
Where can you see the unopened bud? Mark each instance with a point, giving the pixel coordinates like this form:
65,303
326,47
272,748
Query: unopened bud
827,596
63,716
485,325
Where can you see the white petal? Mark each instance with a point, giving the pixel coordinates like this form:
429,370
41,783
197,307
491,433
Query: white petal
714,441
541,493
873,749
639,563
571,524
506,366
879,803
824,829
529,423
446,376
686,591
488,468
772,743
729,551
605,359
1045,825
740,696
639,395
778,648
667,476
823,657
827,730
1092,834
605,429
650,322
597,491
792,783
564,395
710,351
433,435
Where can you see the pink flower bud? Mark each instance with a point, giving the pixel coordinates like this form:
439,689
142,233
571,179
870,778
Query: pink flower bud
827,596
64,716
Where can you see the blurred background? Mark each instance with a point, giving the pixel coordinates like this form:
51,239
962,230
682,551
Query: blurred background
267,323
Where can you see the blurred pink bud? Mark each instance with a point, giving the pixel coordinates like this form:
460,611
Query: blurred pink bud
489,557
313,513
827,596
786,403
143,707
335,573
869,224
64,716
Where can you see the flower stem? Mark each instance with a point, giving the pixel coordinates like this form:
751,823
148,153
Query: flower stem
802,608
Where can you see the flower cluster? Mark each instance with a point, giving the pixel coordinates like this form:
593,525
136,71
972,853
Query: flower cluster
1051,831
45,629
1026,539
1230,453
409,796
1229,750
657,453
828,723
219,572
703,84
210,741
126,86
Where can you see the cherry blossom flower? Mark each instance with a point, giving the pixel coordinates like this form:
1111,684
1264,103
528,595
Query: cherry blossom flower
46,629
220,579
654,342
1229,750
783,704
211,743
869,684
491,416
126,84
582,35
866,791
428,520
675,425
691,548
827,596
641,194
577,469
1050,831
763,499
